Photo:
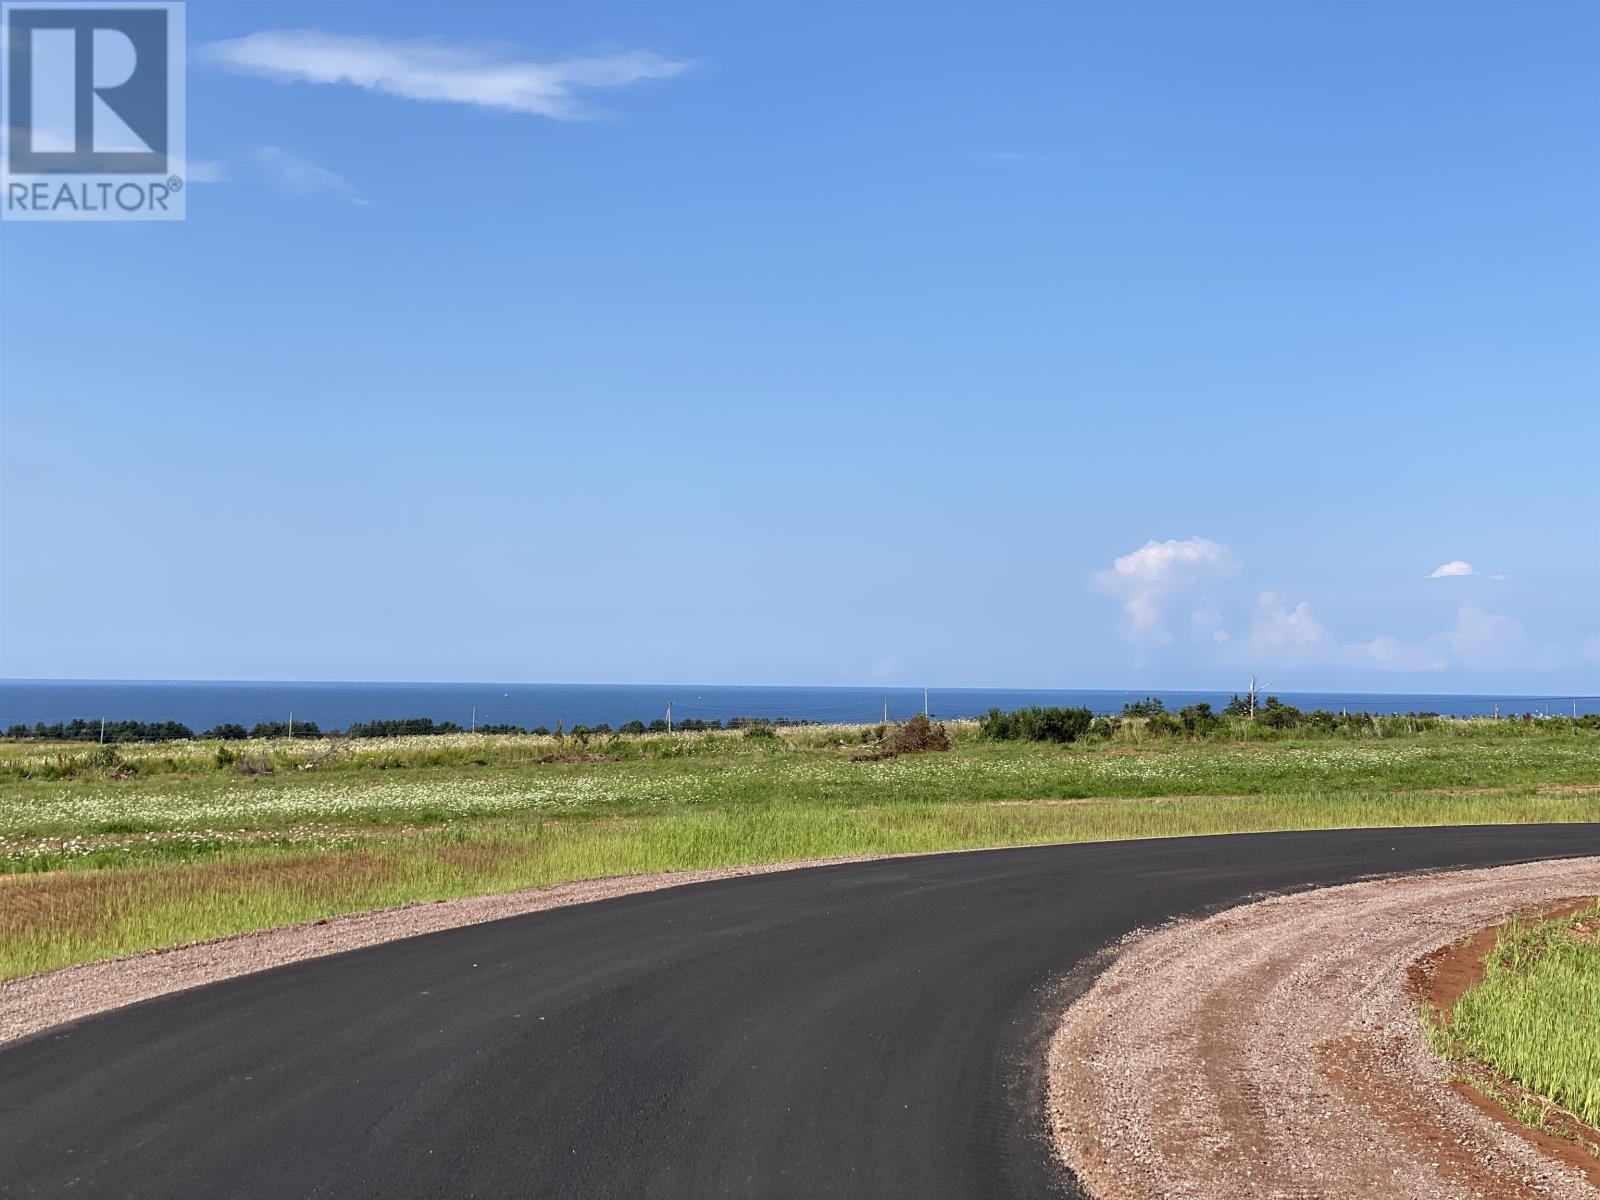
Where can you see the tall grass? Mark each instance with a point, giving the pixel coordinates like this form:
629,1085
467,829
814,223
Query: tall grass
1535,1018
55,919
117,849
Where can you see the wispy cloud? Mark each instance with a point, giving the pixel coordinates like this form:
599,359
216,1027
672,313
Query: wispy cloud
1387,653
1479,639
1488,640
435,70
1287,634
1450,569
1143,577
301,175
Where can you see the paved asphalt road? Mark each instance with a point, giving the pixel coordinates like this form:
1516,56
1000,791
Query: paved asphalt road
869,1030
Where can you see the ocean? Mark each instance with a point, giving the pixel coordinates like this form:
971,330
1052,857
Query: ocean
201,705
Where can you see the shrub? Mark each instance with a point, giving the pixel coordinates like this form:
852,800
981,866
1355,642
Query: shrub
1035,724
917,736
1199,720
1278,715
1164,724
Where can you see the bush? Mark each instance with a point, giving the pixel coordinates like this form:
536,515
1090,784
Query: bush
1035,724
1199,720
917,736
1278,715
1164,724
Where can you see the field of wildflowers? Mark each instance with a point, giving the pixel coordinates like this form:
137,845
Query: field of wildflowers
104,854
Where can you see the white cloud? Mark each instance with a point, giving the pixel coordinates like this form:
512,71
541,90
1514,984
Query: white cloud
1482,639
1144,576
303,176
1391,654
1287,632
1477,639
432,70
1452,568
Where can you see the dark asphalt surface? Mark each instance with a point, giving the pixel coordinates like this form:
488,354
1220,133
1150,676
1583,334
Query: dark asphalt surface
869,1030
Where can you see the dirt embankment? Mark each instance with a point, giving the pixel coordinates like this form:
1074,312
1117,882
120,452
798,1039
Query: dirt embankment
1275,1050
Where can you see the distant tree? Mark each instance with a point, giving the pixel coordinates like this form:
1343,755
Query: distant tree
400,727
1148,707
1198,719
1275,714
280,729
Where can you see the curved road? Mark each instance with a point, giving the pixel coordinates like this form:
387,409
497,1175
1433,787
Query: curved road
868,1030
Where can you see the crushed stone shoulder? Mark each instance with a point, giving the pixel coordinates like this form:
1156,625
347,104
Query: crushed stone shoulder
1272,1050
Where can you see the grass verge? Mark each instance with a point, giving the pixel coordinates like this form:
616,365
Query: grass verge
1535,1018
57,918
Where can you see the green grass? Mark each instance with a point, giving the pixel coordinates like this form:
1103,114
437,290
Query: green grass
163,844
1535,1018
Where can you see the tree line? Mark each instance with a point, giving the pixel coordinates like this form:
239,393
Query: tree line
84,730
1201,720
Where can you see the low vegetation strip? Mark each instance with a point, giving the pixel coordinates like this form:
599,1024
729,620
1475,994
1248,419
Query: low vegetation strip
55,919
1535,1018
109,850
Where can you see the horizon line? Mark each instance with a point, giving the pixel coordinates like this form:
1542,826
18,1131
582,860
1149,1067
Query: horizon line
863,687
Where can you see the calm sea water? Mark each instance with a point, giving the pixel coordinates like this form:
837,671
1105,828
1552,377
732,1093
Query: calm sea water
336,705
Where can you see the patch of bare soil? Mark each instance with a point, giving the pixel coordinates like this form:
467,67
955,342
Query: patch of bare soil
39,1002
1275,1050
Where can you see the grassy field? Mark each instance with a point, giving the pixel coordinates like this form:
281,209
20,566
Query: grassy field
1535,1018
105,851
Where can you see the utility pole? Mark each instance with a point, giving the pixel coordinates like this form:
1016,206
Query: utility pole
474,718
291,724
102,731
924,701
886,710
669,716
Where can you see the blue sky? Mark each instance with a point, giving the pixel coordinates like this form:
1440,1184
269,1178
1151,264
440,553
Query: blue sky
1091,345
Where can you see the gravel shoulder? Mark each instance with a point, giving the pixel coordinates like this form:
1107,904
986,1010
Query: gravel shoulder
40,1002
1273,1050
